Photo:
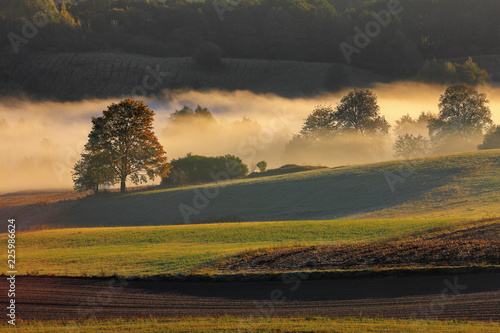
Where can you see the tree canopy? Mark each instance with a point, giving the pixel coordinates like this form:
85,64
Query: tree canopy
359,112
435,71
197,168
186,114
409,145
263,29
121,145
463,112
491,139
319,123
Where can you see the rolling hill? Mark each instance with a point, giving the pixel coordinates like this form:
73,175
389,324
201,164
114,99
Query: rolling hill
455,185
71,76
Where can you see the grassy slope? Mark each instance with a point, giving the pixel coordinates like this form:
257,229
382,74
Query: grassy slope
456,185
234,324
89,75
170,249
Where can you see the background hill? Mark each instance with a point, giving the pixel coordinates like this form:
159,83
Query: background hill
311,31
76,76
72,76
461,185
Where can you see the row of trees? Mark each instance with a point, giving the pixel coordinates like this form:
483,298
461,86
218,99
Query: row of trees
261,29
122,144
447,72
463,115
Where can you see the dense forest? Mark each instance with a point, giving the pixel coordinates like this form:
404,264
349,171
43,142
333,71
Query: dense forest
311,31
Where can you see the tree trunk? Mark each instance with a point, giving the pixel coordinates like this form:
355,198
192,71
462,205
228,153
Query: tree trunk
122,185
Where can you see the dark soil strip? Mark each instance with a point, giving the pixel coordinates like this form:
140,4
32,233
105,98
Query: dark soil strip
472,296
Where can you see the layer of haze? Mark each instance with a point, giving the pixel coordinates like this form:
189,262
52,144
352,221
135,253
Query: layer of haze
41,141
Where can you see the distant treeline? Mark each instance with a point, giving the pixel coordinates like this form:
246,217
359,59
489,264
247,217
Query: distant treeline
260,29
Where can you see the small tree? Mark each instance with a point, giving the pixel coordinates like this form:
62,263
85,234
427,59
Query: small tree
319,123
121,144
92,171
406,124
463,113
262,165
491,139
186,113
450,73
407,146
359,112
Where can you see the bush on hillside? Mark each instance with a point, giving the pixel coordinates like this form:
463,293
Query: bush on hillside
203,169
491,139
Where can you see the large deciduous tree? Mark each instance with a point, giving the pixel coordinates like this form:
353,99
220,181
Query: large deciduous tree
463,112
121,144
353,131
358,112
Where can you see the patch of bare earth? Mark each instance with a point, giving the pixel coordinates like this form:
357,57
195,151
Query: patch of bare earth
478,245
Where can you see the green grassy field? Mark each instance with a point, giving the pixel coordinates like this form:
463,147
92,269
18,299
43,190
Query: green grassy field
235,324
143,251
456,185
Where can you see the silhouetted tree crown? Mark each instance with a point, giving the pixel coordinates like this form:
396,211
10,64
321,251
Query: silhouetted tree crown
197,168
122,143
409,145
463,112
262,165
491,139
359,112
186,114
319,123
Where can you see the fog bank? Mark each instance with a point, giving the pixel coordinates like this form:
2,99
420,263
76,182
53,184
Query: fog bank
41,141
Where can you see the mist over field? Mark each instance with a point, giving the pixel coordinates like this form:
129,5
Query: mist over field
41,141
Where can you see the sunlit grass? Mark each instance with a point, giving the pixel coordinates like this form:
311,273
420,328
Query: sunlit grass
181,249
243,324
455,185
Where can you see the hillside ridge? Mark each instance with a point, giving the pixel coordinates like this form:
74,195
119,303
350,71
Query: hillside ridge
72,76
464,185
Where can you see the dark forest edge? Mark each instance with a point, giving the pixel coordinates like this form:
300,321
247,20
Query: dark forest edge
391,38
